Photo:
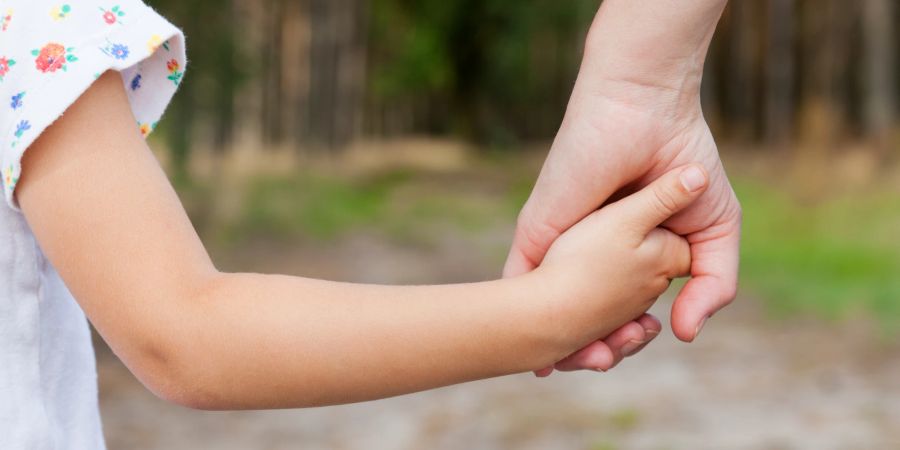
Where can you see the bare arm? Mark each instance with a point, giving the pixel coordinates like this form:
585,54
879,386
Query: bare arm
108,219
652,43
635,114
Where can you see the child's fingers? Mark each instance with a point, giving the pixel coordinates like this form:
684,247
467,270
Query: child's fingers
646,209
673,250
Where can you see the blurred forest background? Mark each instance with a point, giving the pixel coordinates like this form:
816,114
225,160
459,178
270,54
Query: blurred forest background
355,139
320,74
802,96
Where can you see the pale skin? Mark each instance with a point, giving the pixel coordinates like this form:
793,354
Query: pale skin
635,114
107,218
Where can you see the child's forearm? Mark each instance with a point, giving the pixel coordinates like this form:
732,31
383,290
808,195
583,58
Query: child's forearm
269,341
107,218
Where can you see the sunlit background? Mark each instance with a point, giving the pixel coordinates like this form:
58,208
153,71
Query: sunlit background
393,141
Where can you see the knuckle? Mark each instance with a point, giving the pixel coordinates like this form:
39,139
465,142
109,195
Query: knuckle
524,219
665,200
659,285
536,234
536,237
738,210
729,294
592,40
651,250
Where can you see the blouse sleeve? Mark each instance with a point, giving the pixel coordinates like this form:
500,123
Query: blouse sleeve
51,52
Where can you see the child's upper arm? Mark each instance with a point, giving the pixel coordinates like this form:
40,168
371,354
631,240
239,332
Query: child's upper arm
106,216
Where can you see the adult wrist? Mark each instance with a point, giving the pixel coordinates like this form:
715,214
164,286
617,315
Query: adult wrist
650,45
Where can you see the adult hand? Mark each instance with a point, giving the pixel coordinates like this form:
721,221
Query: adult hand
634,115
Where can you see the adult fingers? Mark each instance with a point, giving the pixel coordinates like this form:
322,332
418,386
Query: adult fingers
652,328
578,176
714,279
607,353
518,262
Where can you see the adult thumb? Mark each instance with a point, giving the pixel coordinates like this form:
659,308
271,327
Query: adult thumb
666,196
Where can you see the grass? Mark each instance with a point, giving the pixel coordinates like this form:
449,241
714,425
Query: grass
320,207
836,258
398,204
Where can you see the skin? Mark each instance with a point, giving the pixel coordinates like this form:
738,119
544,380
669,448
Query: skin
634,115
107,218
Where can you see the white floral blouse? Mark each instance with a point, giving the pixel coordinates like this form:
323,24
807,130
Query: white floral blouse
50,53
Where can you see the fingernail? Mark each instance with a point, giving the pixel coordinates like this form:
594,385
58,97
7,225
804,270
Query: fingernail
631,346
651,334
700,327
600,370
693,179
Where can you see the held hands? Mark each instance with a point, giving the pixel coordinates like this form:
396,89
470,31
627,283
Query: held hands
635,114
615,262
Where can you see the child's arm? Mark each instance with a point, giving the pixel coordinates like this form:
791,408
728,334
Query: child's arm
107,218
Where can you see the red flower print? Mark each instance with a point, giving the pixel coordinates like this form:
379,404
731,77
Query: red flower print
4,66
52,57
174,74
5,19
111,16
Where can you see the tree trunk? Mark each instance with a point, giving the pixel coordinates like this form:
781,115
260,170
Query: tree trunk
273,98
338,73
295,71
880,87
743,49
826,51
779,92
223,125
248,103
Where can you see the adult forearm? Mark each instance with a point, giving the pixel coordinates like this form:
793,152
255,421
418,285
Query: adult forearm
270,341
657,43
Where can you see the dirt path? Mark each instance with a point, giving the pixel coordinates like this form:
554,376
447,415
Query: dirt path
749,383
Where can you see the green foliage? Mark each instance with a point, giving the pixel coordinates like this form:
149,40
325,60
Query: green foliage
321,207
835,259
218,66
482,65
395,203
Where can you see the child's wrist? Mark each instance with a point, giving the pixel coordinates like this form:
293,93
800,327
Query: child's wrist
559,312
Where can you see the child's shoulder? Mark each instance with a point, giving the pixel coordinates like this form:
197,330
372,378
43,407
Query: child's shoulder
51,51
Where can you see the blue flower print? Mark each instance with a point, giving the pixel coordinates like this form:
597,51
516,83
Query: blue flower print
119,51
136,82
16,102
22,127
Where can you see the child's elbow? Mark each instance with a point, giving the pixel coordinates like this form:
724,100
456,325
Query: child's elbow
190,397
172,383
175,367
176,370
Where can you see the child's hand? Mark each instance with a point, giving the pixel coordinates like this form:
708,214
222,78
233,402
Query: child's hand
613,264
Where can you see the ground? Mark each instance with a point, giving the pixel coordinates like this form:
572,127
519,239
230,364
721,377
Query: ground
761,376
